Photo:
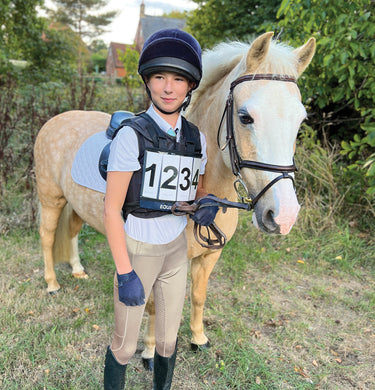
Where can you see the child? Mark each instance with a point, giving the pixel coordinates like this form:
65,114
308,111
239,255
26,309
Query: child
150,253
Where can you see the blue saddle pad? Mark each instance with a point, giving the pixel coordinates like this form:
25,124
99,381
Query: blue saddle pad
85,168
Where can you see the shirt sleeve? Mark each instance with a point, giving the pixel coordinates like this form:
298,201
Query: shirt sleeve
124,151
204,154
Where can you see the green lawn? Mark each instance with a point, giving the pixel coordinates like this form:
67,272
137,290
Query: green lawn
293,312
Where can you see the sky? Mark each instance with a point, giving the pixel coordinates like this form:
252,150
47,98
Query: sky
124,25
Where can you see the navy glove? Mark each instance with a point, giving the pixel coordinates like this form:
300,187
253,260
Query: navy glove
205,215
130,289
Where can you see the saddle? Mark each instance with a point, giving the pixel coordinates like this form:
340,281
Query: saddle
116,121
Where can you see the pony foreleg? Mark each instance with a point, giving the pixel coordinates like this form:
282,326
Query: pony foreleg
49,218
201,268
149,336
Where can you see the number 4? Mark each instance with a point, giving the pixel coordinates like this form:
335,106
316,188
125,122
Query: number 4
195,179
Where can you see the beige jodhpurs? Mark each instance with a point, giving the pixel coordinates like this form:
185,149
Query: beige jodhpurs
162,269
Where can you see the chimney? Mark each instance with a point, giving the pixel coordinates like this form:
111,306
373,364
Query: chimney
142,10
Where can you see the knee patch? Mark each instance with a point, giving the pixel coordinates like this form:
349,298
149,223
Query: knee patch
122,351
166,349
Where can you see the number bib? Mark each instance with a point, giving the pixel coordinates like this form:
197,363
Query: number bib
167,178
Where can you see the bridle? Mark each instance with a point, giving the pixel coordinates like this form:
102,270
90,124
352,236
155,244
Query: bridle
214,237
236,161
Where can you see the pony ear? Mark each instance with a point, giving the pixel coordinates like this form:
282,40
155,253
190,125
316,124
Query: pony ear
258,51
304,54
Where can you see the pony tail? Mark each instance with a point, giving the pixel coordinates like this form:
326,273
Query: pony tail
68,227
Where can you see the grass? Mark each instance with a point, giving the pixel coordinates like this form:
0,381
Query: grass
293,312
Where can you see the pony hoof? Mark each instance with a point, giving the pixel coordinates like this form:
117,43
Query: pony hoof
80,275
201,347
148,364
53,290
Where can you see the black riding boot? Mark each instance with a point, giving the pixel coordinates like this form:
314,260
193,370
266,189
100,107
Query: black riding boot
163,371
114,373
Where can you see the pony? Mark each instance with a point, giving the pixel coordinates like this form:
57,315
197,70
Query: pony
248,106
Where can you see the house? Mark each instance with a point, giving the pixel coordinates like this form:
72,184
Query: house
114,67
147,25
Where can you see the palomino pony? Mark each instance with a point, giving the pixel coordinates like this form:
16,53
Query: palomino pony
249,107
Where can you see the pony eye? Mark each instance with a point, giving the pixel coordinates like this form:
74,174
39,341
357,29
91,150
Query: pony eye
245,118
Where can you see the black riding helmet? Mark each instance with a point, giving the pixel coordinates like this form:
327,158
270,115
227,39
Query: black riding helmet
172,50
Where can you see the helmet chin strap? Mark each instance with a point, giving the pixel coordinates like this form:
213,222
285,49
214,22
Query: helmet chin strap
179,109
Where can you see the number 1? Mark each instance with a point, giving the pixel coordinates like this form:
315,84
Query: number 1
152,169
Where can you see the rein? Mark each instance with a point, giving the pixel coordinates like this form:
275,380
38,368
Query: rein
214,238
236,161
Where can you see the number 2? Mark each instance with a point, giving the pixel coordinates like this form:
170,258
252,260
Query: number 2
174,174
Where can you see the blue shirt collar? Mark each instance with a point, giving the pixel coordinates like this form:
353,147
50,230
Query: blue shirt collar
164,125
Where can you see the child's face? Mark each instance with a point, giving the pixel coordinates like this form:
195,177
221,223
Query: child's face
168,90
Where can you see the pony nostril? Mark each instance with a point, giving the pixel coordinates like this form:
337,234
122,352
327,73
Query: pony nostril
269,222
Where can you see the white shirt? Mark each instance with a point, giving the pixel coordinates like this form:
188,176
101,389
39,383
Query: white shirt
124,158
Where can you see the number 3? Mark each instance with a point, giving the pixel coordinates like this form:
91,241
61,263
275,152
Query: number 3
185,171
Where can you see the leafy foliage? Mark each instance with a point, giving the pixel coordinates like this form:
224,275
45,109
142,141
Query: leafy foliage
215,20
54,57
339,82
132,80
29,48
99,53
82,17
175,14
20,28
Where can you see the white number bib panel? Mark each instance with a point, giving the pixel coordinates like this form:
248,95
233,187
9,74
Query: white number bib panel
168,178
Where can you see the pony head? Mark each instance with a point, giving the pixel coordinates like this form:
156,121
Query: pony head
263,118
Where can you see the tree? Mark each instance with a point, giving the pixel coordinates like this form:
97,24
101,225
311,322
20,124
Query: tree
175,14
25,36
132,80
216,20
84,18
53,56
99,54
19,24
339,82
97,45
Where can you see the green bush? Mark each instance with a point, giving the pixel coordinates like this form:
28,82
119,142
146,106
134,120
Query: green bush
338,85
328,191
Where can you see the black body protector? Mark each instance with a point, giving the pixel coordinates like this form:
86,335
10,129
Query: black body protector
169,170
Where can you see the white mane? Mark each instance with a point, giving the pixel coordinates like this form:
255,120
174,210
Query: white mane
221,60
